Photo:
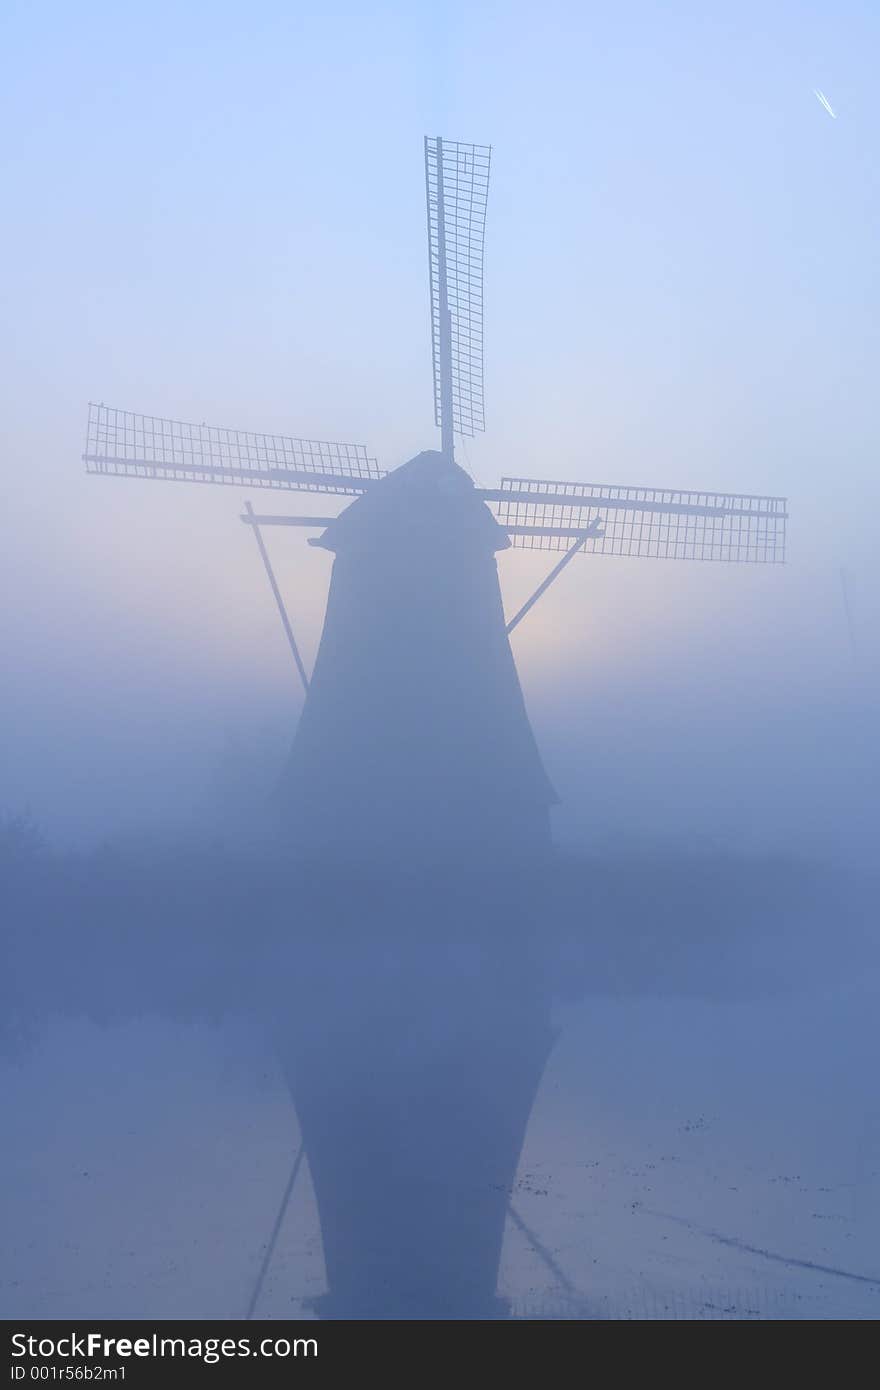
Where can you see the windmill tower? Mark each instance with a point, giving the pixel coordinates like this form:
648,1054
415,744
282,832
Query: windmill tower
414,741
414,636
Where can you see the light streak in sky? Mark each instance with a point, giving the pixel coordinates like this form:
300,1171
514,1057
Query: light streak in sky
820,96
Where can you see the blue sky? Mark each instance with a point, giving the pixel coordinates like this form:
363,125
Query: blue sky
217,212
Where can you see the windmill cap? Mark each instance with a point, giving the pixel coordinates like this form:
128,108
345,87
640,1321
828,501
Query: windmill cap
429,468
427,495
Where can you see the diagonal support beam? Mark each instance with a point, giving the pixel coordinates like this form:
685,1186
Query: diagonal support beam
594,529
276,1231
273,584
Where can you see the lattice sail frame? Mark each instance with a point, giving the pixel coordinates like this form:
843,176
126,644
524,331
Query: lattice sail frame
654,523
121,443
456,235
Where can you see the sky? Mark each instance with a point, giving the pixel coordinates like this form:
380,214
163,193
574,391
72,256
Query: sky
216,212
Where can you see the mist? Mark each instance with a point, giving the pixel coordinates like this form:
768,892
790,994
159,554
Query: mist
625,1073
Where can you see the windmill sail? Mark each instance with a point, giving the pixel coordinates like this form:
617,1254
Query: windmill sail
457,185
652,523
121,443
649,523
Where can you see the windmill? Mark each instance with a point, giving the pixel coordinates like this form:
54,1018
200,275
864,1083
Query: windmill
535,513
414,726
